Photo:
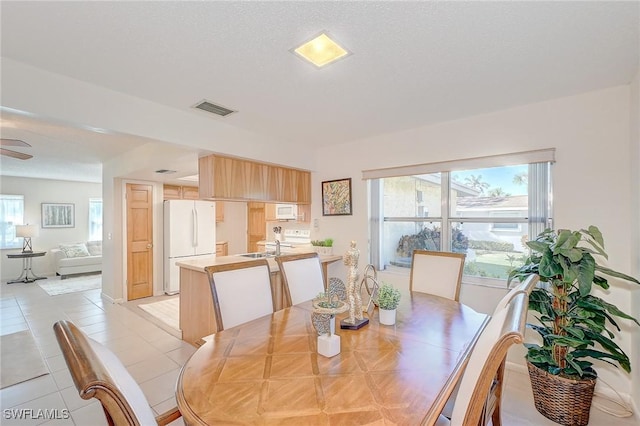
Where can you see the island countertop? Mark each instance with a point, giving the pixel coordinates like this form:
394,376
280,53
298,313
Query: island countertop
201,263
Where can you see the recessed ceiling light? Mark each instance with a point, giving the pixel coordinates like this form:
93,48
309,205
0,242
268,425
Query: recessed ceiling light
321,50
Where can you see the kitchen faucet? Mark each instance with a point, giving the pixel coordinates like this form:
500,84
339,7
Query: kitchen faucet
277,247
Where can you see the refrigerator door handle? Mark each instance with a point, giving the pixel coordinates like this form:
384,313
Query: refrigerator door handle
195,227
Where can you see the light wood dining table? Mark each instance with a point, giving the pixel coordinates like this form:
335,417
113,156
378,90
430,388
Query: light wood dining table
268,371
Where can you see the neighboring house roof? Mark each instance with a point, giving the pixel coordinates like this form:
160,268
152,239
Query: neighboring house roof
515,202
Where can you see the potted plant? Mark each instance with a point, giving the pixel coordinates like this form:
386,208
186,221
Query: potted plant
387,300
323,246
575,325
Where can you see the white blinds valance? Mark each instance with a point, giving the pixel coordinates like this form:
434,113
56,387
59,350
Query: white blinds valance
525,157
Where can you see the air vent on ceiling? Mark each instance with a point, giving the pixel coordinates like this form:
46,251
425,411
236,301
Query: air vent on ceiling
165,171
214,109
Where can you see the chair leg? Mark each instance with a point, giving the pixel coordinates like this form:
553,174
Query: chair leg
496,419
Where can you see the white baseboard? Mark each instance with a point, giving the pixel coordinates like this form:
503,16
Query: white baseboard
110,299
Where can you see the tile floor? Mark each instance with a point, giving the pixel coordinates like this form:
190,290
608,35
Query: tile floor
153,357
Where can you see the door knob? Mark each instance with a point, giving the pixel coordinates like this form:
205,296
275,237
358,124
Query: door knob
149,245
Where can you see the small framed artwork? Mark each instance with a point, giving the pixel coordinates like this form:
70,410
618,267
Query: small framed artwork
336,197
58,215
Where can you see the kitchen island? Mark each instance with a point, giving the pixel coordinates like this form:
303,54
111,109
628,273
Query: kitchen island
197,318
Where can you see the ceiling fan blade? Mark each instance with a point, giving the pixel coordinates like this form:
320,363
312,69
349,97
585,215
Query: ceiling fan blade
14,154
13,142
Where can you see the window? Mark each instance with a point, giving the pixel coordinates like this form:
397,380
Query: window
95,219
11,214
488,213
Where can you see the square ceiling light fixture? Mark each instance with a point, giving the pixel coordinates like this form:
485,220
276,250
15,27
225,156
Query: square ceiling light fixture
321,50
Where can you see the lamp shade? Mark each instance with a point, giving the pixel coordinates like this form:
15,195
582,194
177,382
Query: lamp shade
27,231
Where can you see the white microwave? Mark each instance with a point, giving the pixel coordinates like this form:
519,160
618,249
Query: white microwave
286,211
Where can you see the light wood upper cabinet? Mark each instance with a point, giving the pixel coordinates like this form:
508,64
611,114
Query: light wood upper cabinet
270,212
236,179
190,193
177,192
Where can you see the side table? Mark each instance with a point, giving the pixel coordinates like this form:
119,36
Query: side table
26,266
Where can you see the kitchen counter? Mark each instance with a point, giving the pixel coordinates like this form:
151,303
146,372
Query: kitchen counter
197,318
202,262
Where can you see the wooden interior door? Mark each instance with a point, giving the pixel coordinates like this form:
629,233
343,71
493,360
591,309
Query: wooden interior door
139,241
256,226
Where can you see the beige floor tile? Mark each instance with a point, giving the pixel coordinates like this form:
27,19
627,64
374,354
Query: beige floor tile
166,343
182,354
152,367
56,363
161,388
37,411
63,379
27,391
91,414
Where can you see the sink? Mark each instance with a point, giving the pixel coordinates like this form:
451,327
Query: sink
259,255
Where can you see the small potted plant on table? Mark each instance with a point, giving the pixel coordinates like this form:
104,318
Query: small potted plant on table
574,324
387,301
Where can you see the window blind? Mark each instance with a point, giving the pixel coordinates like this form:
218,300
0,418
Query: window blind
525,157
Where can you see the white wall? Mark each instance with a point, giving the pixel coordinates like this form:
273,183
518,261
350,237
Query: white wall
234,228
635,230
37,191
592,175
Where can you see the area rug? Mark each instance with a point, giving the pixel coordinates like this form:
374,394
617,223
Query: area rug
56,286
21,359
167,311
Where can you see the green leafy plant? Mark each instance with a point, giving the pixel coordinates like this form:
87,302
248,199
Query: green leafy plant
574,324
388,297
327,242
429,239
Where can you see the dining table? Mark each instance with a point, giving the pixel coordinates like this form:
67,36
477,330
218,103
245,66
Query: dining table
268,371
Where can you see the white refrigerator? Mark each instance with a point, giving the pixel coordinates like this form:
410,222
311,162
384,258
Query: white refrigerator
189,233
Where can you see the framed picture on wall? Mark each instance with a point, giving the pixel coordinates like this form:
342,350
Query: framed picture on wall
58,215
336,197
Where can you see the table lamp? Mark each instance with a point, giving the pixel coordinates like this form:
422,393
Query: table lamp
27,231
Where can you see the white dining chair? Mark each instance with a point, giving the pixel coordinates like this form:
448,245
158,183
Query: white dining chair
525,286
98,373
478,400
241,292
302,276
437,272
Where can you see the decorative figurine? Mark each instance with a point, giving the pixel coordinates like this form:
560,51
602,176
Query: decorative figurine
323,318
355,320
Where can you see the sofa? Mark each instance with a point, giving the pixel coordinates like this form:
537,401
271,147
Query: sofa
78,258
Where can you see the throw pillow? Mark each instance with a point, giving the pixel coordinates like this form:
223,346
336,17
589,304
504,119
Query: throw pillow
95,248
74,250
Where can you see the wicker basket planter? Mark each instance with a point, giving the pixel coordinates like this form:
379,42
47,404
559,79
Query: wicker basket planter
565,401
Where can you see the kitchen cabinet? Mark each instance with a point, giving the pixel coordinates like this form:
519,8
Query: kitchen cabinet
178,192
219,211
228,178
222,248
270,212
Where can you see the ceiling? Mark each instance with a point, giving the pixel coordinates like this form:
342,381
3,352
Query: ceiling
413,63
